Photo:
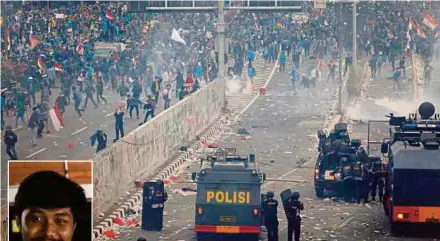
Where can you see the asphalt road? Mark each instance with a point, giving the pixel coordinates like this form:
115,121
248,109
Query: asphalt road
282,130
54,146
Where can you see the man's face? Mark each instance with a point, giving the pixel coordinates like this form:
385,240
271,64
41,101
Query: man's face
47,224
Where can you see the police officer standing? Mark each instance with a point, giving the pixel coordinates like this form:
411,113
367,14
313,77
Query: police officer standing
293,211
270,206
159,198
375,179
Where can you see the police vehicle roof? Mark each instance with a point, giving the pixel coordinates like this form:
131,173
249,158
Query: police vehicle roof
229,166
412,157
224,176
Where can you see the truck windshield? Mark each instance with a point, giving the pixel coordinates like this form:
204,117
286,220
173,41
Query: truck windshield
414,187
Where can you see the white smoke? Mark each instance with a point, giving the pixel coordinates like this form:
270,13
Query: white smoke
235,85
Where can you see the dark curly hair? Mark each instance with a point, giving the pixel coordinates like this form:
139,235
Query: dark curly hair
48,190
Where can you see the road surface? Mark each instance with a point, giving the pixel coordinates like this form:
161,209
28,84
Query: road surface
77,131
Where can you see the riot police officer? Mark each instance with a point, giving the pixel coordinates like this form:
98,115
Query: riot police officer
375,179
270,206
348,181
159,198
293,212
362,182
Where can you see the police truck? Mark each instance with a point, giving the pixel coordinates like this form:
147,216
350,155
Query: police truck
228,201
412,189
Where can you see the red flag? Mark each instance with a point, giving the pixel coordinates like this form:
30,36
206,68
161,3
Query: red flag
58,67
109,15
390,33
410,23
41,65
429,21
57,118
255,16
80,49
34,42
59,115
372,22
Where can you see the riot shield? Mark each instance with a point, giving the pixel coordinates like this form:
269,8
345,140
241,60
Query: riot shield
147,201
285,195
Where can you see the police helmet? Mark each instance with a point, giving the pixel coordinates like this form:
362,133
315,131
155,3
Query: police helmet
270,194
295,195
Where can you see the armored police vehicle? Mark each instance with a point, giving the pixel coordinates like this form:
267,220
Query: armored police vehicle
228,201
412,187
335,151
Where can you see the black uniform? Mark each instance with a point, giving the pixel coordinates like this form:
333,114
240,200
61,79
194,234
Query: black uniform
158,200
270,206
293,211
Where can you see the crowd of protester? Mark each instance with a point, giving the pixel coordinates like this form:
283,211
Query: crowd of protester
50,55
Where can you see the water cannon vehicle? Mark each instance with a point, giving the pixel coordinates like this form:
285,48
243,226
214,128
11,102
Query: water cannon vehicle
413,171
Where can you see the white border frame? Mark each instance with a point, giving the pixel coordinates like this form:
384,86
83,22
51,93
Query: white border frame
89,186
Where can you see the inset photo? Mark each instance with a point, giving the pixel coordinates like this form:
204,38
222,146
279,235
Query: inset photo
50,200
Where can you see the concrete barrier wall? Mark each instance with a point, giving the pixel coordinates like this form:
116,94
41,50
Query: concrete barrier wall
150,146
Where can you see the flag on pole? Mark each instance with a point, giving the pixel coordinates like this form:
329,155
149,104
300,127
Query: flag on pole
57,118
420,31
429,21
109,15
390,33
176,37
8,38
410,23
58,67
255,16
34,42
41,65
80,49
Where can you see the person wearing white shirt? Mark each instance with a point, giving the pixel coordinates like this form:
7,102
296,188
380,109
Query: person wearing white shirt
167,96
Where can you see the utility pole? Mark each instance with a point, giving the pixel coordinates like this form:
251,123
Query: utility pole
353,74
340,61
221,39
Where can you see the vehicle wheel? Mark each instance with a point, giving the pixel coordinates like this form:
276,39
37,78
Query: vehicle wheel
319,192
397,229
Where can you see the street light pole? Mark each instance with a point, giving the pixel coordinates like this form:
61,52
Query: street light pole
221,39
353,77
340,61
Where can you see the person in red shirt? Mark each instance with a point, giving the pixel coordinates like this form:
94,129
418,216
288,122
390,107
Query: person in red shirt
189,82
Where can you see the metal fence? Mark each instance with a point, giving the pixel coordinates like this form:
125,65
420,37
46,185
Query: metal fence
377,131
